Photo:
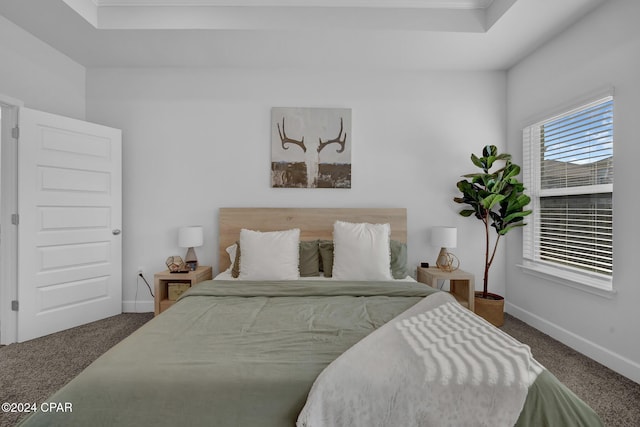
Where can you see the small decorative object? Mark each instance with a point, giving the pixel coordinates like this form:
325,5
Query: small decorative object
175,264
311,147
445,237
497,199
190,237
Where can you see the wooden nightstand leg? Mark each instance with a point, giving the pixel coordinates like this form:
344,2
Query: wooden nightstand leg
465,289
158,296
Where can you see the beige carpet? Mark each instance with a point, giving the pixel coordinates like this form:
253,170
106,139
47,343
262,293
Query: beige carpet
614,397
32,371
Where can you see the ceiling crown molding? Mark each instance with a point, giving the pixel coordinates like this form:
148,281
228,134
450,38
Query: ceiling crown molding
394,4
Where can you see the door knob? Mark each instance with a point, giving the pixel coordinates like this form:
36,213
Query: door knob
115,232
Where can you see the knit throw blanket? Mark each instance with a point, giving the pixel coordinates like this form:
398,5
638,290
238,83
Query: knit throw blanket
437,364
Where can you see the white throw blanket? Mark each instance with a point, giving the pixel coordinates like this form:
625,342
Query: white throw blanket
437,364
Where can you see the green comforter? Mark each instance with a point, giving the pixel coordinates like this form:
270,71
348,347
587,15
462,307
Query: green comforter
232,353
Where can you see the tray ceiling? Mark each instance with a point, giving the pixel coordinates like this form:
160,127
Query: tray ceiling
412,15
314,34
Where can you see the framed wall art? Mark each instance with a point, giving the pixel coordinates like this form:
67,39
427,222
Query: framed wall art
311,147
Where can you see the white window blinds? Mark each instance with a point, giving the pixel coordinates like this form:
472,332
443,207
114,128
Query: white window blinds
568,162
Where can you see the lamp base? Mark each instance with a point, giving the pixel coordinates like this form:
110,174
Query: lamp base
447,261
191,260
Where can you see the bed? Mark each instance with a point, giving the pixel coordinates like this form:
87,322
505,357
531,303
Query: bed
314,352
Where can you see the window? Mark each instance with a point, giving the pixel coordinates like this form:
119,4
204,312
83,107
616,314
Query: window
568,172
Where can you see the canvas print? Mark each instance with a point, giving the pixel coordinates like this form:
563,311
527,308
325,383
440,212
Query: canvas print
311,147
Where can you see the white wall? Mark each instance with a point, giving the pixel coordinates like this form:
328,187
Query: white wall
602,49
38,75
198,140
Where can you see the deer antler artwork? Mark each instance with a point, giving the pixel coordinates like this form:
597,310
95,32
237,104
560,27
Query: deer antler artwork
311,129
285,139
336,140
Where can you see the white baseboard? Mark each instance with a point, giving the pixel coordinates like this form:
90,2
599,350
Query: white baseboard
611,360
137,306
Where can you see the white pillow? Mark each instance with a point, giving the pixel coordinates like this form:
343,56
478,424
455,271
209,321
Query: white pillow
271,255
231,250
361,251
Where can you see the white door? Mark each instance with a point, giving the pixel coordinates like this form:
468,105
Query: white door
69,207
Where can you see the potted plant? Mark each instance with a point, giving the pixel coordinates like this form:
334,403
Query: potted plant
497,199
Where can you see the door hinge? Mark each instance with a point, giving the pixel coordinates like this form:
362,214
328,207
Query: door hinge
14,305
15,219
15,132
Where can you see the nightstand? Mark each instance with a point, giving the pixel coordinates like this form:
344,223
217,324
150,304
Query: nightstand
461,283
162,280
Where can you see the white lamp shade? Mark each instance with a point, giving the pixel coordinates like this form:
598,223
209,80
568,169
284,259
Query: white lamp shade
190,237
444,237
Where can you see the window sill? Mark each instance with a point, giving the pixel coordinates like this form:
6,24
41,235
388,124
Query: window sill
586,283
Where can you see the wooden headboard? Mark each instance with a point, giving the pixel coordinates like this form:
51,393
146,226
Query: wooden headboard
314,223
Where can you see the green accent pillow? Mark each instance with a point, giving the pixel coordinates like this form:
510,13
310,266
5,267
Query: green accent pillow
308,264
235,270
398,258
326,256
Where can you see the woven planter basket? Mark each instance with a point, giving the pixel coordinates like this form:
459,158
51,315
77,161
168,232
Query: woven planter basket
491,309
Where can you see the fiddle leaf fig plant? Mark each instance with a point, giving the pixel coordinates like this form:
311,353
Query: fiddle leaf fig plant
495,197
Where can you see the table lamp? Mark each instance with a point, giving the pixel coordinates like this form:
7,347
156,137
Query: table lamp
190,237
445,237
